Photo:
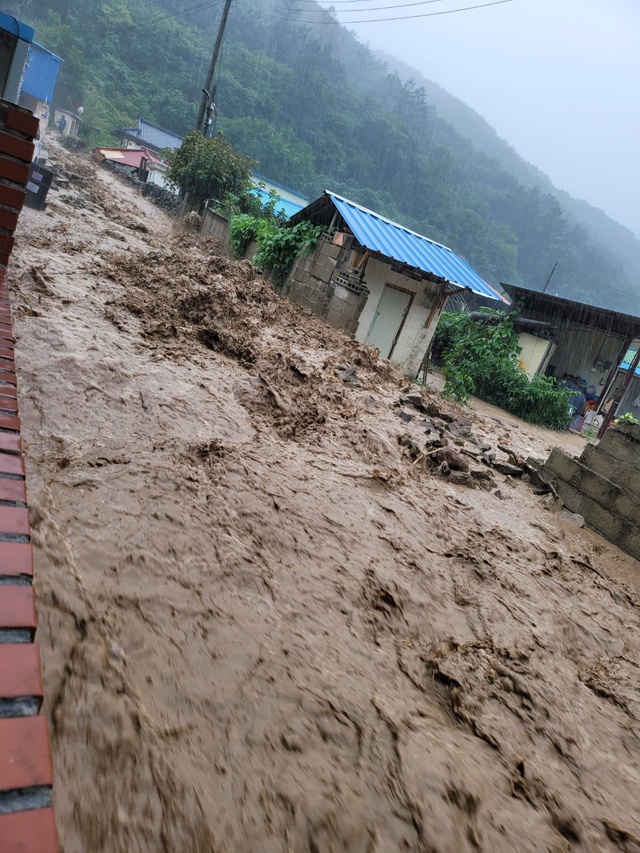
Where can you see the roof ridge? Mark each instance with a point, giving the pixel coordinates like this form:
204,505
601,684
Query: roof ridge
392,222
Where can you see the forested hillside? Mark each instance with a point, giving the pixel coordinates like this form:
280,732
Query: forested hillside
318,110
470,124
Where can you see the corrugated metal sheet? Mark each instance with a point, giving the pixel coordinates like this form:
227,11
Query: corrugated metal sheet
41,73
126,156
378,234
152,136
15,27
289,208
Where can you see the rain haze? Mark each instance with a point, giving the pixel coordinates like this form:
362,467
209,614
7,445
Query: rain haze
557,80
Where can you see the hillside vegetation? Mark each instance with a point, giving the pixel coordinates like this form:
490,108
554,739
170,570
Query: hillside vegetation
317,109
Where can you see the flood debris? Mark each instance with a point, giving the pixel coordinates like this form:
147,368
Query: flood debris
273,615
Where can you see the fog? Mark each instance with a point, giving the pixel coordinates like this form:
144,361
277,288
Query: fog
558,79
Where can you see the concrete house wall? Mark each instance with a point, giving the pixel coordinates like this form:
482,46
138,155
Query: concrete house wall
326,284
415,336
603,485
578,347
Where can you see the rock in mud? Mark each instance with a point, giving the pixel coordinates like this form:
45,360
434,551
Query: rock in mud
571,517
508,469
461,428
454,460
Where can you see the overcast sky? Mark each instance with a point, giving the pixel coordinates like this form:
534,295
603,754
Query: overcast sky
558,79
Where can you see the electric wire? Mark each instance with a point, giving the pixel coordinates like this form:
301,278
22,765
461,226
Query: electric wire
367,9
339,3
184,11
381,20
188,8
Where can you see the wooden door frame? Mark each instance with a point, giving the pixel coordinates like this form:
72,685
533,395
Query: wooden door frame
410,293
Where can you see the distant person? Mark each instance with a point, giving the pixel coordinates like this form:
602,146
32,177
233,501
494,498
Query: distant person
62,123
577,401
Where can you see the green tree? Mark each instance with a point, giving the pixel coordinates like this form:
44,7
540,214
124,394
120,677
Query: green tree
208,169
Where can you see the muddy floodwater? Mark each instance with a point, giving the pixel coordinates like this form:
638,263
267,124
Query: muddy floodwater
267,623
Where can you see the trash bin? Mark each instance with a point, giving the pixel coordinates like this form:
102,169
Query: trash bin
38,186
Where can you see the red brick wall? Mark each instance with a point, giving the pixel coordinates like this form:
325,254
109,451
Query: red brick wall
26,776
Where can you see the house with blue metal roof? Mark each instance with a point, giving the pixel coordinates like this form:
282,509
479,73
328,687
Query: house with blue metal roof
38,88
147,135
289,201
379,281
40,73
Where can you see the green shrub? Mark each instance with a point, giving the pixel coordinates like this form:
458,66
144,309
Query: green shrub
244,228
278,245
482,359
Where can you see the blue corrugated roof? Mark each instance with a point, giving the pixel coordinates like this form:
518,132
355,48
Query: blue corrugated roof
41,73
151,136
282,205
16,27
378,234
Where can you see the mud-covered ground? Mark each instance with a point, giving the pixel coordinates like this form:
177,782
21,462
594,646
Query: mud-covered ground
268,622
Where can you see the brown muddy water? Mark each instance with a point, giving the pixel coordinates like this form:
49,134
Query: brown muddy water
263,627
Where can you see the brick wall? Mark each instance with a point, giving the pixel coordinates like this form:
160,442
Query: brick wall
26,776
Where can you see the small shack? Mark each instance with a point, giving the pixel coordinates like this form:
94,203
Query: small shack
377,280
583,344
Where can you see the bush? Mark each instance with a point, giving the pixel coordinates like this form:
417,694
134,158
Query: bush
482,359
244,228
278,245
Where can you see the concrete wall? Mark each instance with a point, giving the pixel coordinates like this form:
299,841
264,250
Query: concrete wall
214,225
318,283
311,284
603,485
579,347
415,338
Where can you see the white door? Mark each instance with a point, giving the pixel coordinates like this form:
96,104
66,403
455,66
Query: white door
391,311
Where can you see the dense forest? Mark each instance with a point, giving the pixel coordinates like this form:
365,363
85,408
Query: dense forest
319,110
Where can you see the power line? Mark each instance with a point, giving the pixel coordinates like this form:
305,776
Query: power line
380,20
337,2
188,8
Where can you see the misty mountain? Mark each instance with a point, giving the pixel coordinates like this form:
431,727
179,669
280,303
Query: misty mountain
618,238
317,109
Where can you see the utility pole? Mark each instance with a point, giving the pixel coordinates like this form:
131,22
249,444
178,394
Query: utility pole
206,103
546,287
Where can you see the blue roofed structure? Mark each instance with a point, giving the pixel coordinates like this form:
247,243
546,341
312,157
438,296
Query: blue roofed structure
283,206
147,135
379,235
380,282
41,73
16,28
